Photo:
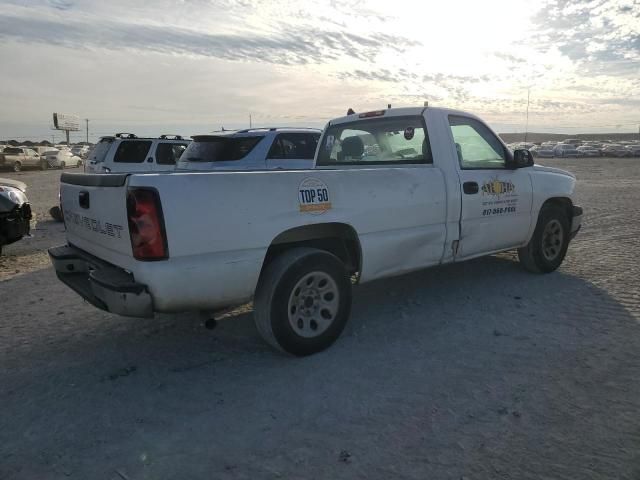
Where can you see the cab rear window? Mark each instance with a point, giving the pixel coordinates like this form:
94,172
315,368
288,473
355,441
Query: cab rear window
219,149
394,140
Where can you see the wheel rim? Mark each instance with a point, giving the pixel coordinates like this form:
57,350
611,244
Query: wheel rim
16,167
552,239
313,304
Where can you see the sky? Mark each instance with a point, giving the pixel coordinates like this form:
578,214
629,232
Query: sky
194,66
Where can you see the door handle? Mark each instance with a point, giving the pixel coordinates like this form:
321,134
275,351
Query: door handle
470,188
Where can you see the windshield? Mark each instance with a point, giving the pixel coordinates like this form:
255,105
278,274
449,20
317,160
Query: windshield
380,141
219,149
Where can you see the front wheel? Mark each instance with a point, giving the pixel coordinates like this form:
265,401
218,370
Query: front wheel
547,248
303,301
17,167
62,165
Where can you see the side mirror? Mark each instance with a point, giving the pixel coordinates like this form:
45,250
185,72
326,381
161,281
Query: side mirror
521,158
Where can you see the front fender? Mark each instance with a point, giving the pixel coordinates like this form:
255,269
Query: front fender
549,183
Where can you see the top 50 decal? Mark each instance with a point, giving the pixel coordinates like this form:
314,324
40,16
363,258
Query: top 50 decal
313,196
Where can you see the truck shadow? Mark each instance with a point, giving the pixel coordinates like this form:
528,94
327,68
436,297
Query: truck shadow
473,338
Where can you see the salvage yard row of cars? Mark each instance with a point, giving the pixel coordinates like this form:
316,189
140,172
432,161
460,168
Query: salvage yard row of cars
373,195
275,148
18,158
577,148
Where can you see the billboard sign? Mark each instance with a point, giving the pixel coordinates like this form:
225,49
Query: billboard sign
64,121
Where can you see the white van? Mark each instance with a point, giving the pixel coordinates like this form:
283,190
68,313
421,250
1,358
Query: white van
125,152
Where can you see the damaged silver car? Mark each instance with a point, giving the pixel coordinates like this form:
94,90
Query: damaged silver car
15,211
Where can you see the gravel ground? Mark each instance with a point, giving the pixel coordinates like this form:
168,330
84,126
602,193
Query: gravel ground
476,370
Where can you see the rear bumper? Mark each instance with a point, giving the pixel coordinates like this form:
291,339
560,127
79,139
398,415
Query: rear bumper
103,285
576,220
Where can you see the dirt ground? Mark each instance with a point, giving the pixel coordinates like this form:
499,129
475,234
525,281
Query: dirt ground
476,371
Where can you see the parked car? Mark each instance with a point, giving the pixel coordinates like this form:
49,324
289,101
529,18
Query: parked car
376,204
252,149
62,159
125,152
615,150
634,150
19,157
43,149
542,151
565,150
15,211
80,150
586,151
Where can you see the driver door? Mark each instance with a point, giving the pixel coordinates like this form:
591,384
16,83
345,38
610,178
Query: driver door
496,201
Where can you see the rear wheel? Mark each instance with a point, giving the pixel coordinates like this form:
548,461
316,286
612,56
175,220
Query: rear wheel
303,301
43,165
548,246
79,163
17,166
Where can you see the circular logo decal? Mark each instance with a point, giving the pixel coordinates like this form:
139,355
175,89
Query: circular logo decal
313,196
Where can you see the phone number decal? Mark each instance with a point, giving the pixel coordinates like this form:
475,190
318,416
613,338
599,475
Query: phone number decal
498,211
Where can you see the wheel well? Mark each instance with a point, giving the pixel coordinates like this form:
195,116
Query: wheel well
337,238
562,202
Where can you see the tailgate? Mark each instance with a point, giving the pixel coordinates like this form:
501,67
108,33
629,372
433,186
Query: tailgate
95,214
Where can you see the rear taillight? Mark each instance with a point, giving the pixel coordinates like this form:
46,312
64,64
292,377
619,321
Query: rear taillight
146,225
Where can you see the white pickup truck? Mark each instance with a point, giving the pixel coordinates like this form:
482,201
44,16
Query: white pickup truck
391,191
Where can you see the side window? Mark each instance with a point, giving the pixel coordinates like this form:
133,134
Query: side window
169,153
294,146
476,145
132,151
276,151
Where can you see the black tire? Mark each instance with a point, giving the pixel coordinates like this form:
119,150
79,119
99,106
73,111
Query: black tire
56,214
17,166
43,165
277,290
79,163
546,250
62,165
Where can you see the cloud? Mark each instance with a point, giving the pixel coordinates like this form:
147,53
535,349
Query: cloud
513,59
61,4
289,46
455,87
602,36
